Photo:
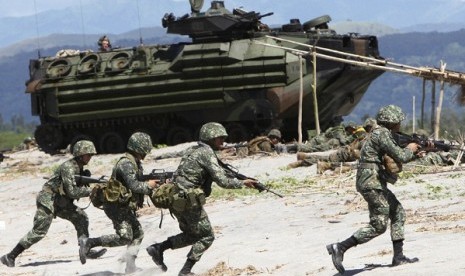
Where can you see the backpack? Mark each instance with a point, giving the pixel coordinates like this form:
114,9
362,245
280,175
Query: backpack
162,196
111,192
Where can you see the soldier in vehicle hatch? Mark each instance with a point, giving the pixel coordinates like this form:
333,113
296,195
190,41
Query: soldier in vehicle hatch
104,44
199,167
371,183
123,212
56,200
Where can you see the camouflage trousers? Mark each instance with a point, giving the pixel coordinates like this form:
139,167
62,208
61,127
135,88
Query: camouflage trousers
196,231
128,229
43,219
382,205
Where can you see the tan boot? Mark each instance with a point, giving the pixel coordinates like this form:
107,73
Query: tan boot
322,166
301,156
294,165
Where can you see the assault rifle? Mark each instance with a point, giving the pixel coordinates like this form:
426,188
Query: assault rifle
157,174
234,172
404,139
82,180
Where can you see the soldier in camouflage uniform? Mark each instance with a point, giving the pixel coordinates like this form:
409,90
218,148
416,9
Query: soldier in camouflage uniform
56,199
332,138
199,167
371,183
346,153
123,215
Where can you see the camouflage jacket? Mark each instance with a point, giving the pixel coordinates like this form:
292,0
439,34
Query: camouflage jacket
62,187
199,167
127,171
259,144
378,143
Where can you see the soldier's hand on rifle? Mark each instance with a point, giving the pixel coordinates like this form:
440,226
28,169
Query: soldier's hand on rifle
414,147
249,182
153,183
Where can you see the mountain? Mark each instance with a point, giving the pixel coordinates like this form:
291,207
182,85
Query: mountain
118,16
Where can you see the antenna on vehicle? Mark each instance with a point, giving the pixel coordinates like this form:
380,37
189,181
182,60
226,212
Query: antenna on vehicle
37,30
82,23
138,17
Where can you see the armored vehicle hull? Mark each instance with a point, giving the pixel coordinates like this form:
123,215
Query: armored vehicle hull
169,91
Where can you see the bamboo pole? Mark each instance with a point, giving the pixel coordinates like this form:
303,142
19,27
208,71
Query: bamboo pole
301,95
413,116
422,120
439,107
433,104
315,101
424,72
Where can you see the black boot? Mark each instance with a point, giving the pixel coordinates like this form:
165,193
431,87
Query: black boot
156,251
85,245
186,269
336,250
9,259
399,257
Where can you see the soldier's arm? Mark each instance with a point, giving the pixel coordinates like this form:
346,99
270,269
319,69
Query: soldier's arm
128,172
70,187
399,154
217,173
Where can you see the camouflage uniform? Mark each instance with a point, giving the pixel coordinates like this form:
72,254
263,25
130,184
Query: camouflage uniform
332,138
371,183
199,167
123,215
56,199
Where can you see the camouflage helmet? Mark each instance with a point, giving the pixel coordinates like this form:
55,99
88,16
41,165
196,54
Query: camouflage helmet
369,122
391,114
275,133
212,130
140,142
83,147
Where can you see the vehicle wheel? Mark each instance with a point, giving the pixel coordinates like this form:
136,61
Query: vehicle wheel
178,135
111,142
49,138
237,133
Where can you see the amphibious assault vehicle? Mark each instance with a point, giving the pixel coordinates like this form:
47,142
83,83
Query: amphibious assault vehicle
225,74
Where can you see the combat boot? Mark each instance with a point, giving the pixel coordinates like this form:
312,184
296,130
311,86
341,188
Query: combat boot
399,257
84,248
95,254
400,260
186,269
157,255
337,255
302,156
8,260
322,166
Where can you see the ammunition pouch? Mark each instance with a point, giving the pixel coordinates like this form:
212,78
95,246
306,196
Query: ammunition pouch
188,199
116,192
162,197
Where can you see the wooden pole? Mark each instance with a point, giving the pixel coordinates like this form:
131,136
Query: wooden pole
439,108
433,104
422,119
301,94
413,116
315,101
